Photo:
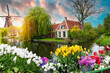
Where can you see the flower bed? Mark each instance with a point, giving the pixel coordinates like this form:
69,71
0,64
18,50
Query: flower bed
67,59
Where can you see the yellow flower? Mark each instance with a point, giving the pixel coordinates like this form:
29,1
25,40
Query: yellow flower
72,53
78,57
81,49
51,52
88,50
85,49
84,52
56,53
64,55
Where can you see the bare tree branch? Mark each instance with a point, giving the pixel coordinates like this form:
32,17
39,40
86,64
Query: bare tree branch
82,9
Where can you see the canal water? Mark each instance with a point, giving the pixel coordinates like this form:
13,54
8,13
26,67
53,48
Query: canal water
43,48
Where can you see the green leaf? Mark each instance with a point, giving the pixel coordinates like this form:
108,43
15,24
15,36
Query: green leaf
15,69
9,71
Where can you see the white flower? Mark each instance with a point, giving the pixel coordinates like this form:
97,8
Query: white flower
45,69
28,61
51,64
58,64
54,69
15,59
2,66
4,52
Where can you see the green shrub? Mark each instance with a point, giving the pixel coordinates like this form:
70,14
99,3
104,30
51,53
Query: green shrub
103,40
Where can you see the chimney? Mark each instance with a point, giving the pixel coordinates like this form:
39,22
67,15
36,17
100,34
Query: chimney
65,18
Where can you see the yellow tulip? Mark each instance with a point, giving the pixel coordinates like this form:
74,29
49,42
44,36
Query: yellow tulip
56,53
88,50
85,49
84,52
78,57
51,52
64,56
81,49
72,53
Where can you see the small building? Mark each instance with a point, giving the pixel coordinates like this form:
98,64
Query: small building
61,30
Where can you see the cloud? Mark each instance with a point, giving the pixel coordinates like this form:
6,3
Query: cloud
55,9
63,12
50,7
16,5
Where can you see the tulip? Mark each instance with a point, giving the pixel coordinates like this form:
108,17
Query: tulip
101,51
86,53
107,48
95,53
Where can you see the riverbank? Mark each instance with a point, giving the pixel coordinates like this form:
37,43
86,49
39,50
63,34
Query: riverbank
51,40
103,40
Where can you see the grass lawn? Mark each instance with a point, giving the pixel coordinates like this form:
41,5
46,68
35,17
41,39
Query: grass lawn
52,39
103,40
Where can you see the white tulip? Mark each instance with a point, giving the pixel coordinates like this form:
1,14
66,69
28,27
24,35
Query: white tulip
15,59
28,61
45,69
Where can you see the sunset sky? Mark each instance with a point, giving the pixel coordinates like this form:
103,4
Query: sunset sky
57,9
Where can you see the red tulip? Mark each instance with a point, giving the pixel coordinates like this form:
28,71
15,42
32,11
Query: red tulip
107,48
95,53
101,51
98,62
97,59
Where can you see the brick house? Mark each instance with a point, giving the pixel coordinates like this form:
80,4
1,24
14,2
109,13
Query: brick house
62,28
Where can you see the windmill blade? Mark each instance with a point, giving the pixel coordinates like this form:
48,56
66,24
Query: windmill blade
3,16
8,10
15,16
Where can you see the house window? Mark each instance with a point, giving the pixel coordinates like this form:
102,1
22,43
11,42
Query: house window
63,33
52,29
59,34
62,26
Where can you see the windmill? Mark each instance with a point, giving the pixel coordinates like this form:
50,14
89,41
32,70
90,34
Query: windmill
8,19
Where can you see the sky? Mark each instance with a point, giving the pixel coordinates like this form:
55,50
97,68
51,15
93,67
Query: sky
57,9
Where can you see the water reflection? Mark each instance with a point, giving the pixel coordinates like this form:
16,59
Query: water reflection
43,48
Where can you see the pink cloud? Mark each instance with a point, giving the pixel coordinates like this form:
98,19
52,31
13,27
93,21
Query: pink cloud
63,12
43,3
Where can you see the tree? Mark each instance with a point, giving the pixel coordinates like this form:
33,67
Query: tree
3,32
100,29
107,23
37,22
88,25
82,9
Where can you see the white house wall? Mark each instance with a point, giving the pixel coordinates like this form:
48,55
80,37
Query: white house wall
66,33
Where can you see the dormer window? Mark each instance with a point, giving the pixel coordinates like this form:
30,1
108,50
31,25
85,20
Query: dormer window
62,26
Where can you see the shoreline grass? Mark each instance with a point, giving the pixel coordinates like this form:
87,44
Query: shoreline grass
52,39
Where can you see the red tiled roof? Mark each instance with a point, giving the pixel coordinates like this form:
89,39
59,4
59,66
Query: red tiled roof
72,23
55,26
